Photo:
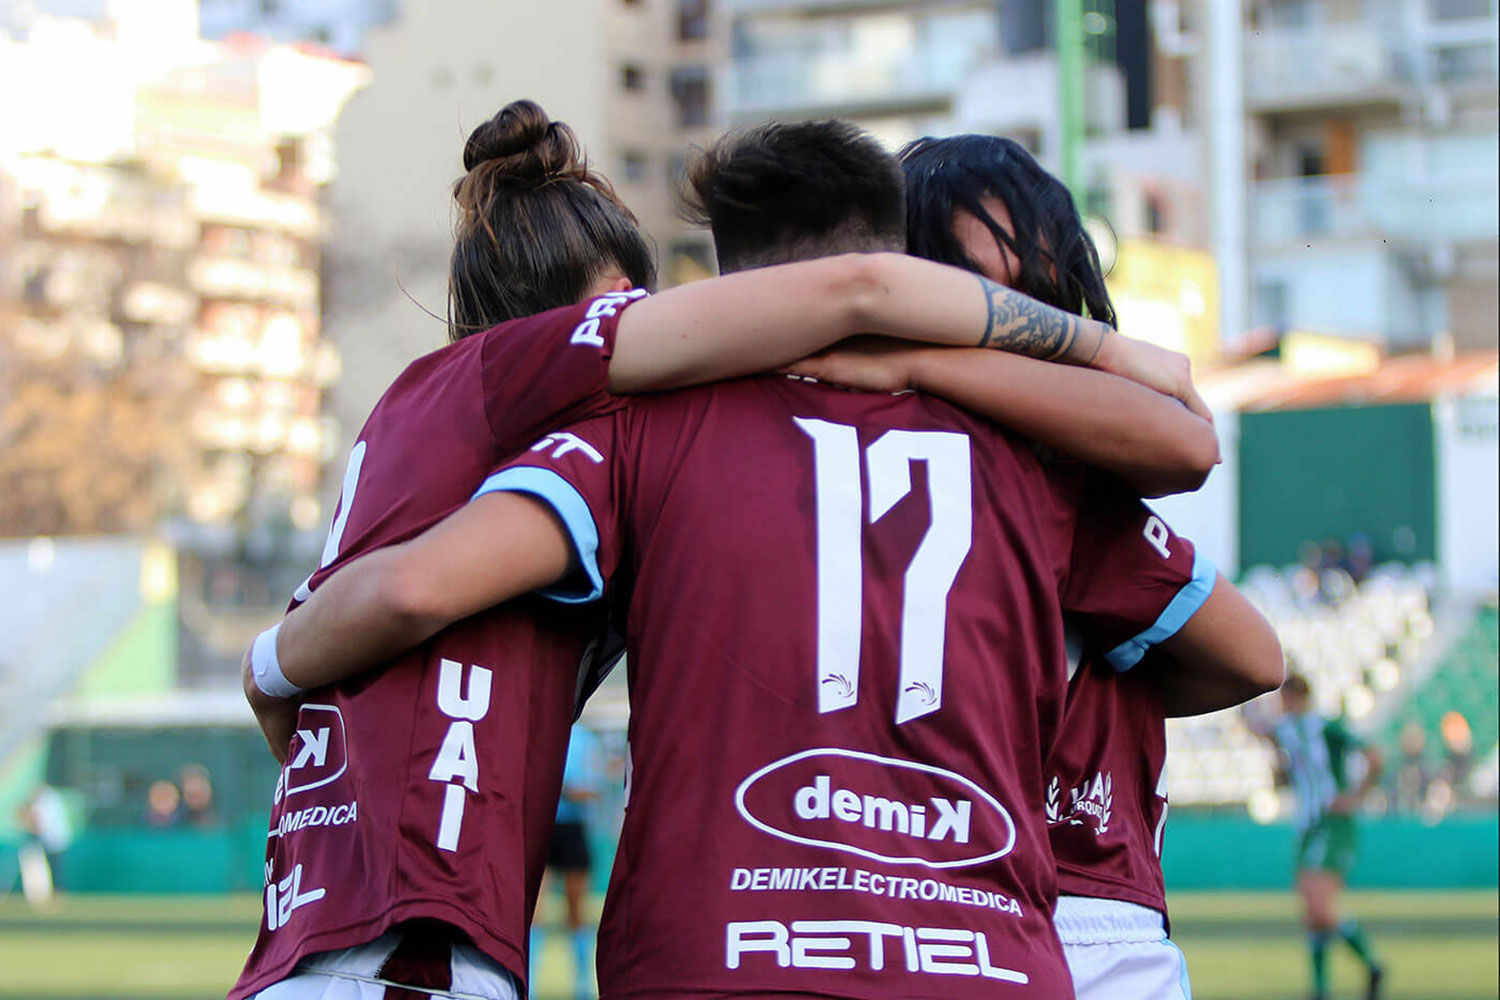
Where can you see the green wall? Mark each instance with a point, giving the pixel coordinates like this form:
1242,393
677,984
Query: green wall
1306,475
1396,852
115,765
1202,852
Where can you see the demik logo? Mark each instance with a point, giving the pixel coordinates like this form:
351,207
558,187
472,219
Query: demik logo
897,811
320,754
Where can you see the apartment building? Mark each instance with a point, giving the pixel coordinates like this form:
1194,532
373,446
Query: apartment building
1372,148
337,25
895,68
1356,151
636,79
159,300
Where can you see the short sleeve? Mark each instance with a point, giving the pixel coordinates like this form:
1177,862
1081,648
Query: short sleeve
1341,740
1132,582
573,472
551,369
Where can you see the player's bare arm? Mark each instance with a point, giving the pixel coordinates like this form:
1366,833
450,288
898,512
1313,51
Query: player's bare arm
1147,439
1226,654
395,598
1022,325
760,319
1348,802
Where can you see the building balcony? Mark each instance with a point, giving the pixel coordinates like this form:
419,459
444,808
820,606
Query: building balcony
1355,207
751,8
846,83
1325,66
256,208
219,277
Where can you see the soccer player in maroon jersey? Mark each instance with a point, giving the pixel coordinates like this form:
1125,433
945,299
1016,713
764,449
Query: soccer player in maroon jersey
411,820
766,765
983,203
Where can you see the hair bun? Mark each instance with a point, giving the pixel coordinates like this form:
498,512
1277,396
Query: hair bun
521,144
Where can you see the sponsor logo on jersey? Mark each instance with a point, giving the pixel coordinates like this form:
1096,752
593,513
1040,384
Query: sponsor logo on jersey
834,879
853,945
1090,804
319,753
463,695
897,811
563,442
337,815
607,304
286,897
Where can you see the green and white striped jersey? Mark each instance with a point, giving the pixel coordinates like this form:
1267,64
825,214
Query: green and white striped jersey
1317,753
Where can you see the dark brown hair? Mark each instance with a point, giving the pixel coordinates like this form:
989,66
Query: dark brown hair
783,192
1296,684
536,227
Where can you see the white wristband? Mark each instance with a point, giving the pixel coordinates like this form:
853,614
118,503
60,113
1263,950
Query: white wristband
266,668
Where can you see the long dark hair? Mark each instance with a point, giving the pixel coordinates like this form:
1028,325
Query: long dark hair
956,173
536,227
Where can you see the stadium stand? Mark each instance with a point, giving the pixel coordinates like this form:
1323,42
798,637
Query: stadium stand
64,602
1458,707
1363,647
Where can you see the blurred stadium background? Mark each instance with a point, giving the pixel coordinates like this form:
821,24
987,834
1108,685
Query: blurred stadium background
223,222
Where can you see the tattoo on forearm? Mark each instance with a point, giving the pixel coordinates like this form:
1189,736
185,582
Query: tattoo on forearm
1024,326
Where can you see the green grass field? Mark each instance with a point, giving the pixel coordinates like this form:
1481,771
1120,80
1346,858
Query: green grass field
1240,946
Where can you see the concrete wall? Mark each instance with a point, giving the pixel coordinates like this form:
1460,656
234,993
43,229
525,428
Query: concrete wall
1468,470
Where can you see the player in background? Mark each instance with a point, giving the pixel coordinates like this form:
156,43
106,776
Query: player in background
724,608
370,874
569,854
1318,752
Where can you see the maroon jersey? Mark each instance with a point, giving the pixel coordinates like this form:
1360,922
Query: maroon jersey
1106,799
1106,788
428,790
846,667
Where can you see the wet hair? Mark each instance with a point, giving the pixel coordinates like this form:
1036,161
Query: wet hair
944,176
536,228
781,192
1296,684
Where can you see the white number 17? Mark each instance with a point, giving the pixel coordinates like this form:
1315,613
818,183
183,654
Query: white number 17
929,577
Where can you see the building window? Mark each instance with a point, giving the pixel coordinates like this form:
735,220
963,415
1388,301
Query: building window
633,166
632,77
1271,303
1459,10
692,20
690,94
1156,214
1455,63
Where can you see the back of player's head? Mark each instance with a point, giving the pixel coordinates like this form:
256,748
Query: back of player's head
1296,685
794,191
1059,265
536,227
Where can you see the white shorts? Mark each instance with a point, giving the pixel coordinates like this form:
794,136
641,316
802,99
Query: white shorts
351,974
1119,951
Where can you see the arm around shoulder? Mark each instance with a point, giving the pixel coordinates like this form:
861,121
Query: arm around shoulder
1224,655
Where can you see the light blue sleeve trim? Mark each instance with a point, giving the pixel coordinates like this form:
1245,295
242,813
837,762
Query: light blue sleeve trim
569,504
1186,604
